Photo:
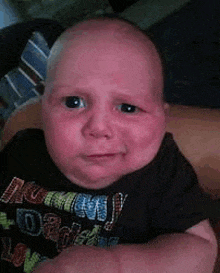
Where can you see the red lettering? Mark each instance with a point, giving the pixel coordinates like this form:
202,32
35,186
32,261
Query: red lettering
67,236
17,191
34,194
15,186
51,226
19,254
118,203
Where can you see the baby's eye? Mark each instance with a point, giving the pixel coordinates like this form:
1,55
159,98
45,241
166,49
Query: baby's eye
128,108
74,102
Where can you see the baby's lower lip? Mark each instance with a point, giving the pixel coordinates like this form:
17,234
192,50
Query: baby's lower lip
100,155
101,158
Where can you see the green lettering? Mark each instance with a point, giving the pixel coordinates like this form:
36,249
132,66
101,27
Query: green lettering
4,221
88,236
93,236
68,203
49,198
31,261
61,199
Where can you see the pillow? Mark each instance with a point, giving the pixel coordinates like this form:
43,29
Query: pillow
24,82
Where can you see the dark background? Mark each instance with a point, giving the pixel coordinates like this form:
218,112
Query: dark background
189,40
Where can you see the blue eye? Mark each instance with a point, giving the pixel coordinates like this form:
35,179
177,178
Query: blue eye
127,108
74,102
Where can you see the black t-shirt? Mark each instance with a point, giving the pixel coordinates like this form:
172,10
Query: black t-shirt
42,212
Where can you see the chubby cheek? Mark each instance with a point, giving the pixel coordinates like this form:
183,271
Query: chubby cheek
144,141
61,137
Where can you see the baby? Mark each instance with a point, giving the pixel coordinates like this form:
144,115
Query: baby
103,188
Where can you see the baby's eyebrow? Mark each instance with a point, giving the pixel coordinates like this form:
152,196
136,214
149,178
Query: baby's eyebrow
62,89
121,96
53,93
131,99
66,90
87,93
57,88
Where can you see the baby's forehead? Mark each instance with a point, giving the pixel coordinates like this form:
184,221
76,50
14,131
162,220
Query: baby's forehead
100,30
114,30
104,37
100,35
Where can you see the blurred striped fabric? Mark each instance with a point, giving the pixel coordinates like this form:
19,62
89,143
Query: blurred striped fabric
25,81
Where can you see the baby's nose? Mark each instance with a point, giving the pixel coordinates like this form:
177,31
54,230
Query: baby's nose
98,126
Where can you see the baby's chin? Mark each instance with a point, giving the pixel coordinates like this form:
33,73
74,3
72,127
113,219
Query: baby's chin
99,173
94,183
100,177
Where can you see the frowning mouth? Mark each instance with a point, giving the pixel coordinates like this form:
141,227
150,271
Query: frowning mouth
102,158
100,155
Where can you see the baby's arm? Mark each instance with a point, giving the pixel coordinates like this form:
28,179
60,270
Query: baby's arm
193,251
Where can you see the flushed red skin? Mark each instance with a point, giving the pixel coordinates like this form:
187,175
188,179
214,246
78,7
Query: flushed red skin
97,144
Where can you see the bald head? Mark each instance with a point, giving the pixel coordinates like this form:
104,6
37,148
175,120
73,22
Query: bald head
102,32
116,28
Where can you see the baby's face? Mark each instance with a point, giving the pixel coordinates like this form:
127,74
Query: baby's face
101,117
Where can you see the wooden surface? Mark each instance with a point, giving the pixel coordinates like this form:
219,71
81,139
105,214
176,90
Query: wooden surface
197,132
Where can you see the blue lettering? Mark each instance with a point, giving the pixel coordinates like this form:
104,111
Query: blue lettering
92,207
29,221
